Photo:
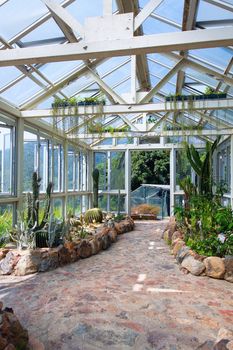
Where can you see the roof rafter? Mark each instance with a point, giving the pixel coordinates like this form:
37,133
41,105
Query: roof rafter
189,19
146,44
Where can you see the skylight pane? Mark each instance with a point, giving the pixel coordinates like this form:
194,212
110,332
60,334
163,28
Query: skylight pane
21,91
7,74
24,13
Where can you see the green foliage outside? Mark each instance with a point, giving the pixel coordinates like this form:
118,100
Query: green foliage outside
5,225
206,224
151,167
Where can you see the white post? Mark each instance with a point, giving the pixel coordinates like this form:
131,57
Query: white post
107,7
128,181
90,167
133,78
172,180
65,177
20,161
109,167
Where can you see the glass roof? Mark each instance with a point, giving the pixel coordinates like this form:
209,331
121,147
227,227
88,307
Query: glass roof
34,86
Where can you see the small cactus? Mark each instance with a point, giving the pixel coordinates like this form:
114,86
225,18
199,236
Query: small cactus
94,214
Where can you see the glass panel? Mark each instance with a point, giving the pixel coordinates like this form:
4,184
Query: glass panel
74,205
183,167
43,165
117,177
6,220
23,15
85,204
58,208
6,162
30,159
103,201
71,169
114,203
100,162
21,91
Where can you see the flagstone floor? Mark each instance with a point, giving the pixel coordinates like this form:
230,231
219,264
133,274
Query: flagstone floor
132,296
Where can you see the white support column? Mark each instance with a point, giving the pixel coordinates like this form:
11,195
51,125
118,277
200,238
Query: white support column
128,181
107,7
232,171
109,167
90,166
20,161
172,180
133,78
65,177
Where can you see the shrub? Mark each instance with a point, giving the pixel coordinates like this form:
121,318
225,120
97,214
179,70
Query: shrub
145,209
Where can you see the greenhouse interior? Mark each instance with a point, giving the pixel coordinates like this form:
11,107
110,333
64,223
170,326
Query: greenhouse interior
116,116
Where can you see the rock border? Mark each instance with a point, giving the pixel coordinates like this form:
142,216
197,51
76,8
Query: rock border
25,262
12,335
190,261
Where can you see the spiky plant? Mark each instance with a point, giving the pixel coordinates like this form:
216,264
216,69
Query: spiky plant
33,204
95,175
93,215
202,165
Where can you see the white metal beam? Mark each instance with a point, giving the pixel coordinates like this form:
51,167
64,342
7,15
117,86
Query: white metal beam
138,108
135,45
163,81
145,12
221,4
68,24
107,7
107,89
203,69
188,132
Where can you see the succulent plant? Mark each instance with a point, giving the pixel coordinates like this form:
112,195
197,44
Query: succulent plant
93,215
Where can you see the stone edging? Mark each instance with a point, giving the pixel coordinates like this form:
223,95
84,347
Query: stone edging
190,261
25,262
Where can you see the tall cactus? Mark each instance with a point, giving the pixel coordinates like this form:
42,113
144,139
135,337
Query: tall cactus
33,204
95,176
202,165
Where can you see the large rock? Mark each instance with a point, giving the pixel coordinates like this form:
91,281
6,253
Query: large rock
178,245
224,333
182,253
95,245
50,259
8,264
64,257
85,249
170,229
106,241
192,265
11,332
215,267
228,276
3,253
113,235
28,263
176,234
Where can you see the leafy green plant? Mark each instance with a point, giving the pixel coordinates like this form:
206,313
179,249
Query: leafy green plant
212,246
202,165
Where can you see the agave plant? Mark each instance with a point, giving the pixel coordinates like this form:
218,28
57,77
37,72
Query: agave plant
202,165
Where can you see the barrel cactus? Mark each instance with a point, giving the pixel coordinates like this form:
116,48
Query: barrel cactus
93,215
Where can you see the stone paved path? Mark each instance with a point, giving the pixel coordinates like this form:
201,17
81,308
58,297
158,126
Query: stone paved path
132,296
